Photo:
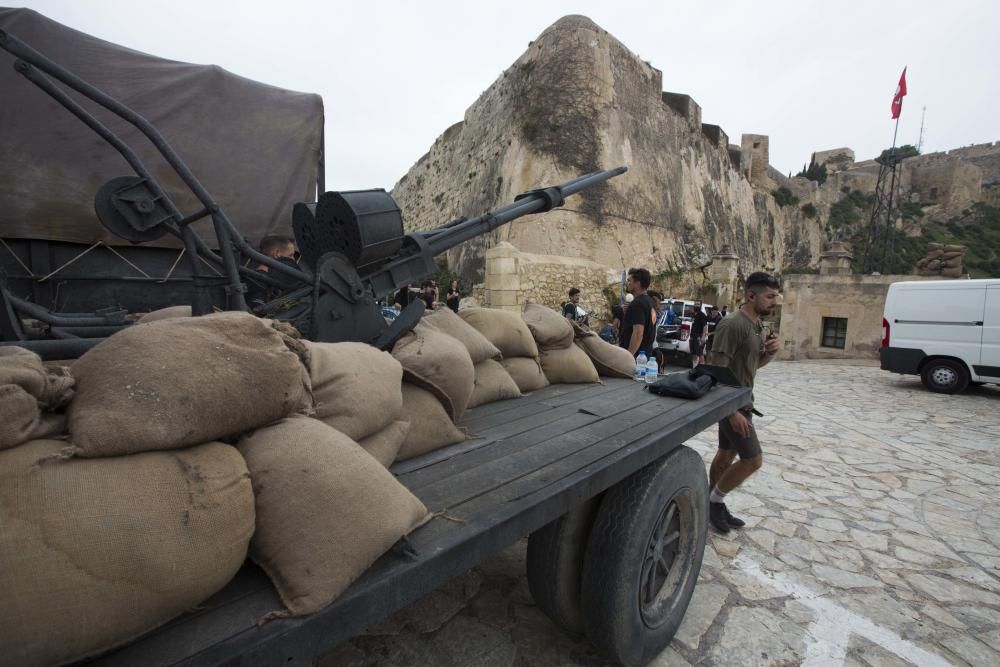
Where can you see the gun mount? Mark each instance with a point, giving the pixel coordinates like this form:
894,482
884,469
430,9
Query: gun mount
354,249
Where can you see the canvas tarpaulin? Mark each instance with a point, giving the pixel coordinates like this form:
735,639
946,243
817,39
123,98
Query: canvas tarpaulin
254,147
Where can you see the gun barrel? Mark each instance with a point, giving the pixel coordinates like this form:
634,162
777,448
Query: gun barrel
535,201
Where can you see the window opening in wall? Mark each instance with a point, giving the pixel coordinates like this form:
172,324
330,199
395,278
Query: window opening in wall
933,194
835,332
756,144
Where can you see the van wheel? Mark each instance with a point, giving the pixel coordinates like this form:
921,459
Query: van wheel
642,562
555,565
945,376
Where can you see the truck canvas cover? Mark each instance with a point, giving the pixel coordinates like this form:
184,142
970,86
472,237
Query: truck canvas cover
256,148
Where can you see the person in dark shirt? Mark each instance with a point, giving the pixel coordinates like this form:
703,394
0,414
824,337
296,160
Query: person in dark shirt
282,249
454,296
569,308
699,326
638,328
714,317
428,294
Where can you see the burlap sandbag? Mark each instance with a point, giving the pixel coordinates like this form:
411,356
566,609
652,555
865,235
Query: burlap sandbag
934,246
23,368
430,426
448,322
95,552
953,272
569,366
526,372
325,510
355,387
951,255
504,329
609,360
19,415
184,381
951,263
493,383
549,328
439,363
385,445
165,314
955,248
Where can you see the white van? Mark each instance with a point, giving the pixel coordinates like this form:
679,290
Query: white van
945,331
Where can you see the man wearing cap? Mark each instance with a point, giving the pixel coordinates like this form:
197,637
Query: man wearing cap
740,344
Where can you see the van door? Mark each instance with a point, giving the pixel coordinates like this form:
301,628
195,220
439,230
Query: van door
940,320
989,363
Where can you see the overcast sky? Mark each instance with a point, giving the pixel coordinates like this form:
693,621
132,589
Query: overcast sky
395,75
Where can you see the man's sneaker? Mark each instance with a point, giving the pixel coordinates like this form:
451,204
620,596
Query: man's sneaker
717,517
731,520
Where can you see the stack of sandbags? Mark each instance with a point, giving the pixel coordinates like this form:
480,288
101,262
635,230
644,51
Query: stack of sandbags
438,382
562,361
942,260
95,552
31,395
325,510
508,332
186,381
356,390
492,382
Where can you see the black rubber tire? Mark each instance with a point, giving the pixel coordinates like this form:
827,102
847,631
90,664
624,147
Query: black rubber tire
555,565
666,500
945,376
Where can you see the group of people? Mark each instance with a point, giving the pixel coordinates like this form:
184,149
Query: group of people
738,341
429,294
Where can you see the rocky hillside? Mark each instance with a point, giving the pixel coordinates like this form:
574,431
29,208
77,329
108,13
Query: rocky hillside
578,100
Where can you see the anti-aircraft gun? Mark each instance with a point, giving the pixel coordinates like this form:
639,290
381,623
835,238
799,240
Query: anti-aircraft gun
354,250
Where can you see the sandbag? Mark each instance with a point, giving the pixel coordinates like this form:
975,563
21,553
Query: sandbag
609,360
184,381
59,387
934,246
945,256
95,552
440,364
165,314
325,510
448,322
526,372
384,445
549,328
954,272
493,383
955,248
952,263
934,254
23,368
569,366
19,415
355,387
504,329
430,426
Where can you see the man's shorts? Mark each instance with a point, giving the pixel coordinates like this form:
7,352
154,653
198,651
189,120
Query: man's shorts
696,347
729,440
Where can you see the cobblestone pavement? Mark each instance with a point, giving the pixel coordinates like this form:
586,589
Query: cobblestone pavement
872,538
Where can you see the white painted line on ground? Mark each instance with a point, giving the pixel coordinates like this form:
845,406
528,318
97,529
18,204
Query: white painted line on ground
831,631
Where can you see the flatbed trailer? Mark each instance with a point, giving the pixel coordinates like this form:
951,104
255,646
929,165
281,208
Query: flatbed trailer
608,457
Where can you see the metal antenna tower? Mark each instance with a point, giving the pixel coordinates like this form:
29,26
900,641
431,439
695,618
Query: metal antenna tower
920,141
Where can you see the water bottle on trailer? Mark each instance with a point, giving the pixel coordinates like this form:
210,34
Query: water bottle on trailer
640,366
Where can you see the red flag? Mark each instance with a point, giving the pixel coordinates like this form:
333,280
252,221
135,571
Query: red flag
897,99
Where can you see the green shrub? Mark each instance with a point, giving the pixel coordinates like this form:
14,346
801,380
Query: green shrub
809,210
784,197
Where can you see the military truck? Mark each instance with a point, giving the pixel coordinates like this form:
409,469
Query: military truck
597,477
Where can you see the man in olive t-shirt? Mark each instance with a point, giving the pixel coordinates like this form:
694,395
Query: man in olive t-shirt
741,345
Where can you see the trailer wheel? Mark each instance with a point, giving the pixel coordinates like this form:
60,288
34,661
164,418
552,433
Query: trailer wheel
555,565
643,557
945,376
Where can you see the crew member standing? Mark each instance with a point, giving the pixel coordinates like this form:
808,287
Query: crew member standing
740,345
637,328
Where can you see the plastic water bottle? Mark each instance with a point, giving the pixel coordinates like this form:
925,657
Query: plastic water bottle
652,370
640,366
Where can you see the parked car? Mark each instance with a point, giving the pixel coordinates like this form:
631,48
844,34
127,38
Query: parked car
945,331
675,338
